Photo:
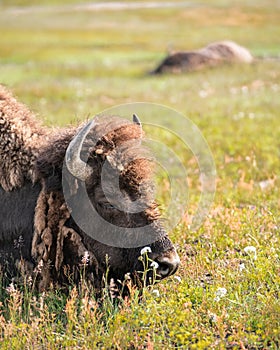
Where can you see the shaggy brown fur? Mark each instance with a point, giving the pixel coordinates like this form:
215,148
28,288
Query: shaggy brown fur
212,55
32,155
50,234
21,139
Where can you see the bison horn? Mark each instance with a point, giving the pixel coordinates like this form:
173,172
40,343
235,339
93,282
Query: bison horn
75,165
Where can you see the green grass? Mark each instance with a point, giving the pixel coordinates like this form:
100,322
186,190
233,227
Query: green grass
67,66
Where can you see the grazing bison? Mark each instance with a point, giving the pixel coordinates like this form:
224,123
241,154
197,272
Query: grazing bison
210,56
38,234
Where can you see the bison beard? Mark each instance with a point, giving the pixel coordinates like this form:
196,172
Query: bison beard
53,248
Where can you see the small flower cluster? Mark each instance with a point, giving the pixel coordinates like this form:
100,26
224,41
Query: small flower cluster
145,250
251,250
154,265
85,258
149,273
178,279
11,288
220,293
156,293
242,267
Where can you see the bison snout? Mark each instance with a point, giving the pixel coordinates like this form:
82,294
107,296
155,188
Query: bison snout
168,264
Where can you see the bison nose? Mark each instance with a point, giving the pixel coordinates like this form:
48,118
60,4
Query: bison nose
167,264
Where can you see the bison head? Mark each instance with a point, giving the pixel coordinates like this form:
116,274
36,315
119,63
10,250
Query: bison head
108,180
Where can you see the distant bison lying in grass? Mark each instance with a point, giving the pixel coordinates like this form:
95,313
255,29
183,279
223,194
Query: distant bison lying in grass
212,55
38,235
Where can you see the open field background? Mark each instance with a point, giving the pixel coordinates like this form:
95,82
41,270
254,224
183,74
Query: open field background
68,63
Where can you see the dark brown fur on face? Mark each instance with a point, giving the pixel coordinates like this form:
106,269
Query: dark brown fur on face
52,246
214,54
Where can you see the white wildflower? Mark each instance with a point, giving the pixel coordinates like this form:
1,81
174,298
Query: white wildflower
251,250
85,258
39,267
178,279
156,293
241,267
213,317
220,293
145,250
154,265
127,276
11,288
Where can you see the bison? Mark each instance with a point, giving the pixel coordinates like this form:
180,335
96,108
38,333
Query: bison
38,233
212,55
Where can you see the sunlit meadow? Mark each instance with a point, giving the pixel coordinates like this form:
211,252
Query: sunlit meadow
68,64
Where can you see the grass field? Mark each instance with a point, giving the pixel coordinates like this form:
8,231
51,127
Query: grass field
68,64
